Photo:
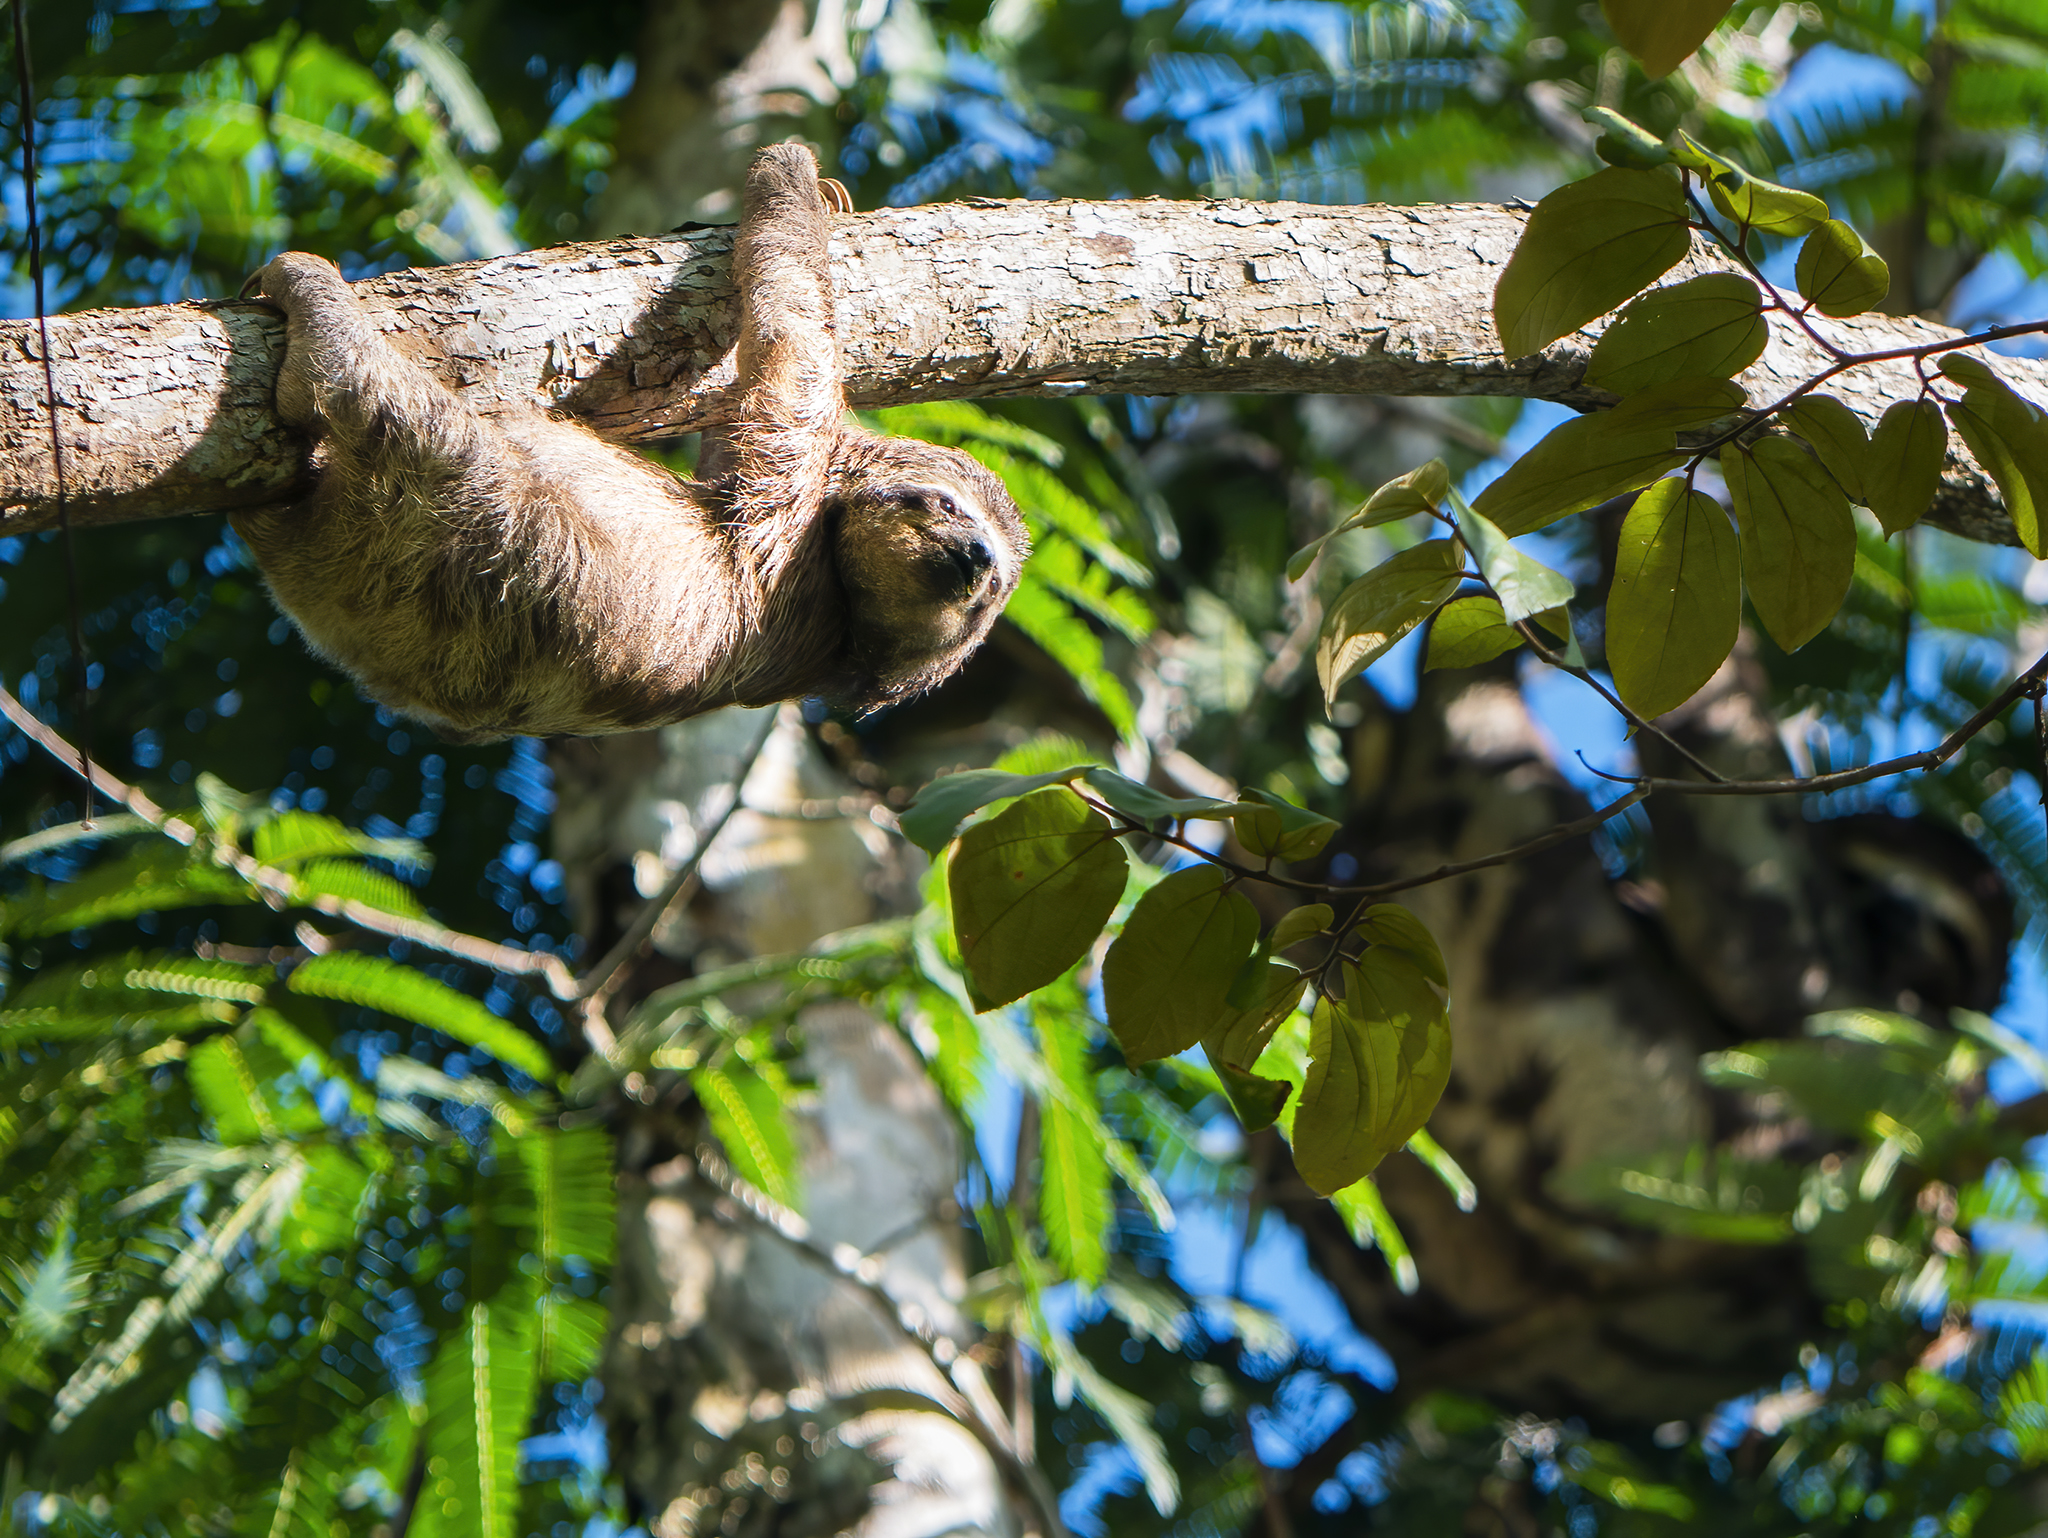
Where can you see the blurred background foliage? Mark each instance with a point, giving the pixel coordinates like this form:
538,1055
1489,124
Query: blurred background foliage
193,1342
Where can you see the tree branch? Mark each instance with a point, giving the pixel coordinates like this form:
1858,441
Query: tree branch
167,410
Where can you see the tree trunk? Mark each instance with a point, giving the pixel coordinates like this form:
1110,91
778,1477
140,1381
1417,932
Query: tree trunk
167,410
705,77
750,1388
1581,1007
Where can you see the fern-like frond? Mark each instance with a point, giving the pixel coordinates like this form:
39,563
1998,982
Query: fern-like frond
354,978
481,1388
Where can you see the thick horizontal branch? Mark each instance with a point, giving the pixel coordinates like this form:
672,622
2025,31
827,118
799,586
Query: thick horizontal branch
168,410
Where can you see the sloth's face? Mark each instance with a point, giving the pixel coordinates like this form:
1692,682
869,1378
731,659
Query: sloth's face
929,549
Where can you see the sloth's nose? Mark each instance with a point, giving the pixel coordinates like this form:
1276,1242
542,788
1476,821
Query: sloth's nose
971,559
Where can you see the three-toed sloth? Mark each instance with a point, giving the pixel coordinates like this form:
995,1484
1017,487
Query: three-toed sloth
518,575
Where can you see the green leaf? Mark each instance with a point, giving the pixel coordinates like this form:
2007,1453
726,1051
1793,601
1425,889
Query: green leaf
1836,434
1903,471
1235,1043
964,422
1838,273
1624,143
571,1174
1710,326
1031,890
1128,1417
375,983
1467,632
1165,976
2009,436
480,1388
1525,586
1147,805
935,814
329,1211
227,1090
1381,607
1587,247
1798,537
748,1115
1053,626
1298,924
154,877
349,881
1582,463
1378,1063
1371,1226
1446,1169
1662,34
298,835
1421,490
288,837
1277,829
1392,925
1749,200
1073,1193
1677,597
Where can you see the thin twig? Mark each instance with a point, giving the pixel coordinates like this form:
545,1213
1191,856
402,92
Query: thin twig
280,889
1586,677
600,978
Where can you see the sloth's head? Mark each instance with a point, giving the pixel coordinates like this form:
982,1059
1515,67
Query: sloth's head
929,548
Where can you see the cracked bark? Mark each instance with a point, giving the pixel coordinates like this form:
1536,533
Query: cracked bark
167,410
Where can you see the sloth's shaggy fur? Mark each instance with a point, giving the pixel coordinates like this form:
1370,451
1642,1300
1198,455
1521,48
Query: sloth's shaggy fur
515,574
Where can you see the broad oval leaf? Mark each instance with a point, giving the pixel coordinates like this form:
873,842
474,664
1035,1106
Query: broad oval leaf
1661,34
1266,825
1381,607
1838,273
1234,1045
1421,490
1677,597
1711,325
2006,433
1969,372
1165,977
1031,889
1798,537
1904,469
1467,632
2014,432
1580,464
935,814
1378,1064
1148,805
1524,585
1299,924
1764,205
1588,246
1391,924
1836,434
